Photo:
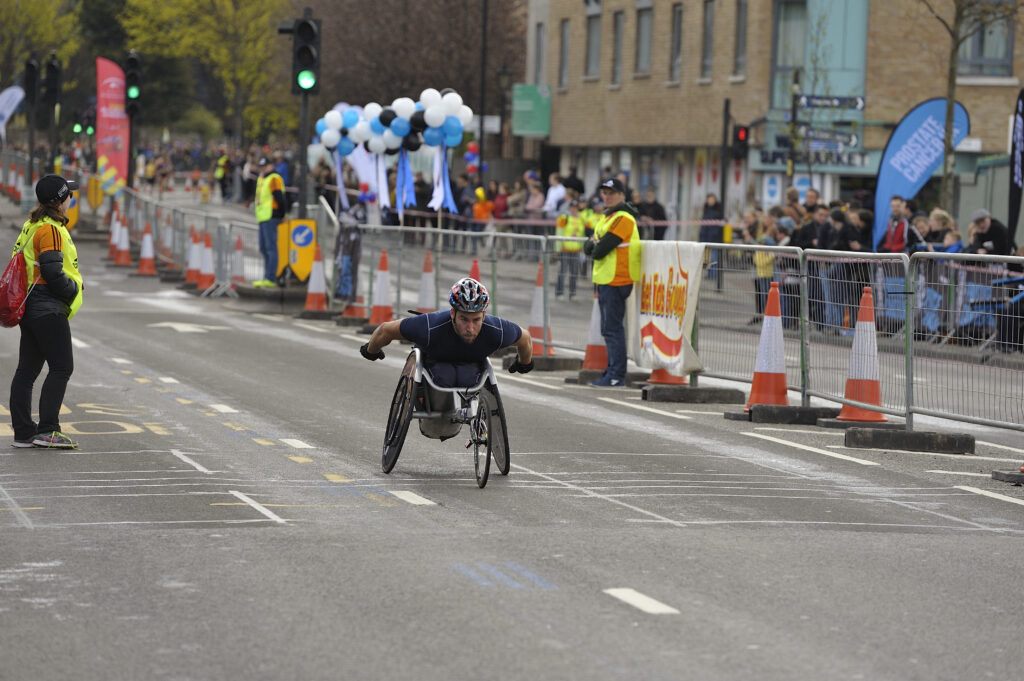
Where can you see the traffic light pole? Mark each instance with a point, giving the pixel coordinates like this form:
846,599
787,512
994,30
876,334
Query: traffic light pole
724,153
131,152
303,154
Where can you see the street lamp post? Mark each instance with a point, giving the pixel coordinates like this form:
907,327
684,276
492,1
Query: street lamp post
504,80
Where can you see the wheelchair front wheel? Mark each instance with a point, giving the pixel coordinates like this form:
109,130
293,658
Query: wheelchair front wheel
399,416
481,432
499,436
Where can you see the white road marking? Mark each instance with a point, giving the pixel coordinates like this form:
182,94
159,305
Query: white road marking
120,360
959,457
641,602
23,519
311,327
357,339
520,379
993,495
167,379
841,433
412,498
297,444
79,344
997,446
268,317
223,409
259,507
641,407
190,462
976,475
824,452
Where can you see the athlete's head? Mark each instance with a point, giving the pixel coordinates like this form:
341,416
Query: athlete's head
469,299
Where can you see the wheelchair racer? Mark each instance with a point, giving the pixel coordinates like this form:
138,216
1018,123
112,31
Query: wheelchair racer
455,342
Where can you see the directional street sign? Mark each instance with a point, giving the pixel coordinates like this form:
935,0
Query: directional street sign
847,139
826,102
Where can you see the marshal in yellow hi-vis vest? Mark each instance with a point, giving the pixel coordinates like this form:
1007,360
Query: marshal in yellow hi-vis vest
67,248
266,185
623,265
570,226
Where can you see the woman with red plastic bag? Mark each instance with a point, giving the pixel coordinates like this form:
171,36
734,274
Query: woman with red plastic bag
50,255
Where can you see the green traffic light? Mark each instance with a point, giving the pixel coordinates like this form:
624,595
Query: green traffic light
78,128
306,79
133,92
90,130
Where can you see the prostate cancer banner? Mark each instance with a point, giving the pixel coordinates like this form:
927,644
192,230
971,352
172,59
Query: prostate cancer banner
669,286
914,151
112,127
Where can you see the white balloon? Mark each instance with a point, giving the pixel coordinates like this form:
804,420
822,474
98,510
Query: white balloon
404,107
452,102
333,120
465,115
430,97
391,140
434,115
376,144
330,138
372,110
361,132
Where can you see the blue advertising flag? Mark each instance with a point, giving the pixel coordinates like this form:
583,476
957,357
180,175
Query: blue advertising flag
1016,167
914,151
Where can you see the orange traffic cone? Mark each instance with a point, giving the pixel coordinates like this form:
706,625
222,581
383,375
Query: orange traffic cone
663,377
863,384
147,261
596,355
382,310
188,185
11,175
123,255
537,317
238,263
193,258
316,293
769,384
474,270
207,278
428,283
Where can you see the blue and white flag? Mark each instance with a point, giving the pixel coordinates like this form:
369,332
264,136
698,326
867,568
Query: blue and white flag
442,183
9,101
914,151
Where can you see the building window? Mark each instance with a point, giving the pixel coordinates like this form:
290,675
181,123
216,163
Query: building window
708,46
989,51
739,59
618,24
593,63
790,30
563,54
675,61
644,27
539,37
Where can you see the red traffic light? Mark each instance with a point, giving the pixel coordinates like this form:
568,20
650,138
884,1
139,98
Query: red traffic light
741,133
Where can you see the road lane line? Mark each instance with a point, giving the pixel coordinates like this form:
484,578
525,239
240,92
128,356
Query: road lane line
264,442
469,572
23,519
182,400
190,462
311,327
499,576
157,428
79,344
993,495
301,459
357,339
140,379
412,498
643,408
998,446
520,379
223,408
974,475
641,602
120,360
259,507
334,477
268,317
539,581
296,444
824,452
167,379
840,433
959,457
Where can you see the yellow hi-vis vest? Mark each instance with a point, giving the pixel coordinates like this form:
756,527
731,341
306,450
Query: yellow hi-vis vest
69,251
570,226
604,269
265,197
222,164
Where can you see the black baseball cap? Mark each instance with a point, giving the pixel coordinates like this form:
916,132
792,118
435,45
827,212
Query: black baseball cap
614,184
54,188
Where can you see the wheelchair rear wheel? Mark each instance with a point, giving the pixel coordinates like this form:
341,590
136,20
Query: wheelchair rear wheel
399,417
482,433
499,436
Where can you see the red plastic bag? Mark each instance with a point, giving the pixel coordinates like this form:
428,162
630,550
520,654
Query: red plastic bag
13,291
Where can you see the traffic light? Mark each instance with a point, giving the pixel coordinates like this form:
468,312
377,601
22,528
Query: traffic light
51,82
90,121
30,82
77,126
740,141
132,82
306,56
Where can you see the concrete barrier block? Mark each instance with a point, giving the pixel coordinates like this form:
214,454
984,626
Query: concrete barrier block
884,425
689,394
737,415
795,415
917,441
1016,477
546,363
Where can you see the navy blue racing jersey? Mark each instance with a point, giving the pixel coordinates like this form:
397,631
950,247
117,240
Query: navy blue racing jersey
434,333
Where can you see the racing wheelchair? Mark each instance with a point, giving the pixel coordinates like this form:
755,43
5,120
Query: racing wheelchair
442,412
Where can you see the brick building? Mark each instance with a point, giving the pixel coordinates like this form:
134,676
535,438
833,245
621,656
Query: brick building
640,85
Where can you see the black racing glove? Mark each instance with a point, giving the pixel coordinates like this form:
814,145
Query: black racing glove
365,352
519,367
588,247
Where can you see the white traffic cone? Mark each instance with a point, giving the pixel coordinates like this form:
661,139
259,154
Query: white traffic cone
207,278
537,317
428,283
192,262
316,292
382,310
147,259
238,263
596,355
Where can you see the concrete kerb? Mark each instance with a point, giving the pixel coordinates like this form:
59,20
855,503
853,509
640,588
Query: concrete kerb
916,441
832,422
1017,478
775,413
692,395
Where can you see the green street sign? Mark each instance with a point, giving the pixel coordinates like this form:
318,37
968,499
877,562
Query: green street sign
531,110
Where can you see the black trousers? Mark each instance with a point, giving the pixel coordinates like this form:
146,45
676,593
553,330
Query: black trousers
43,339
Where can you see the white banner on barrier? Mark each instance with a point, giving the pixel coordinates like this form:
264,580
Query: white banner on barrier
669,287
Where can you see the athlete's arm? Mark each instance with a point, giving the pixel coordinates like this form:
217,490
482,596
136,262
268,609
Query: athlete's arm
524,359
382,335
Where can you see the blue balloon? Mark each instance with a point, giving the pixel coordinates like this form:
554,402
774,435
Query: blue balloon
346,146
377,126
420,107
433,137
453,140
452,126
401,126
469,156
483,167
349,118
321,126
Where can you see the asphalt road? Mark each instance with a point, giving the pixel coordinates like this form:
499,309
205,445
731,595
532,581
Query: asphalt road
226,517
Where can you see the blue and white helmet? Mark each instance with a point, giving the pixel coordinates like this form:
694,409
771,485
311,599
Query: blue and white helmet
469,295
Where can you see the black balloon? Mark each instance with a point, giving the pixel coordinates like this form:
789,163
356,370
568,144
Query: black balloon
412,141
344,132
386,116
446,91
392,152
366,145
416,121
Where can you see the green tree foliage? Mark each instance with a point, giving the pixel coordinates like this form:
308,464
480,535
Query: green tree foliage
35,28
235,39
